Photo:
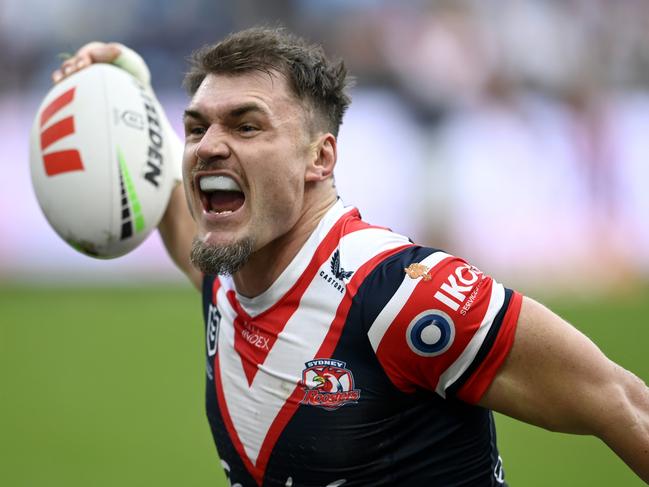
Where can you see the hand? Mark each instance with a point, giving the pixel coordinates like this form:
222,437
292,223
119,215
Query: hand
93,52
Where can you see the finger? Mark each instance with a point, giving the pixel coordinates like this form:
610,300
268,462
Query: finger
66,69
90,48
99,52
69,66
57,76
82,61
93,52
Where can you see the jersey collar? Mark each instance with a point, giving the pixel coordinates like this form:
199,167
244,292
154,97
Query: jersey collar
259,304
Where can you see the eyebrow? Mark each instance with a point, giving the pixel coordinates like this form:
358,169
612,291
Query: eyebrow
247,108
189,113
233,113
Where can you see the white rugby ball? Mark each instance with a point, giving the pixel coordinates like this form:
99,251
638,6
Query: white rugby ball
101,161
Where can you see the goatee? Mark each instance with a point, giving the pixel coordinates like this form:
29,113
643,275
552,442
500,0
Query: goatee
220,259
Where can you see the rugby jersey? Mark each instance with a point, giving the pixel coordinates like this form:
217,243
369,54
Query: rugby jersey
360,365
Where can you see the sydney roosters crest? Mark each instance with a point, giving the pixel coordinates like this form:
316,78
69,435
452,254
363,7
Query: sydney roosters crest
328,384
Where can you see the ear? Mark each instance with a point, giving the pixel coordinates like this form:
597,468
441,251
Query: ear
323,153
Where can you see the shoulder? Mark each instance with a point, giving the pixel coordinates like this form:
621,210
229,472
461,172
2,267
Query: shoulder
437,322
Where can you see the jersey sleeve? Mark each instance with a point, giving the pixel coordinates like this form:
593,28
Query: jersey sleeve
443,325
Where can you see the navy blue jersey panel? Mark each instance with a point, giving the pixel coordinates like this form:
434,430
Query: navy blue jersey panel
379,286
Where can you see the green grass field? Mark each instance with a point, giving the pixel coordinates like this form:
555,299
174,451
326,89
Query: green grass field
104,387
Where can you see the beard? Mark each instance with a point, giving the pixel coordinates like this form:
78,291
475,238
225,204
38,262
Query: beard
220,259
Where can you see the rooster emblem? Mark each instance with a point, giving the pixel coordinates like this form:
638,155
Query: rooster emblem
328,383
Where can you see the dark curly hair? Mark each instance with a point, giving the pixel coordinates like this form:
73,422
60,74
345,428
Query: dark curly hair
312,77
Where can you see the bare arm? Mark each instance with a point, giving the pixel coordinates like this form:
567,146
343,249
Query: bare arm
556,378
177,230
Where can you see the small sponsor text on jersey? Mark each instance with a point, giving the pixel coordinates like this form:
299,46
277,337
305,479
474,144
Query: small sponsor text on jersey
458,286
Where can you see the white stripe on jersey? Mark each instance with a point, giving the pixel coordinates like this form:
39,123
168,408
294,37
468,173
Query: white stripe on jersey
294,270
253,409
457,368
400,297
354,251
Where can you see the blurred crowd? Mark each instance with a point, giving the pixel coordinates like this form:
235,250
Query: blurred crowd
510,132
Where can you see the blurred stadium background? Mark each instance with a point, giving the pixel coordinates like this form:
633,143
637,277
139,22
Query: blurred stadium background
510,132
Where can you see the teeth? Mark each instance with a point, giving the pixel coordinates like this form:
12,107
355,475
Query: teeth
218,183
224,212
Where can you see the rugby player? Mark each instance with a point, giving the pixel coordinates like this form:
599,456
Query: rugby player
338,352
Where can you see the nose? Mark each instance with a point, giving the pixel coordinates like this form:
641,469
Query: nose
212,146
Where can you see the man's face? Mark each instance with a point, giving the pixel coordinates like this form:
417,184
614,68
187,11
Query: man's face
245,160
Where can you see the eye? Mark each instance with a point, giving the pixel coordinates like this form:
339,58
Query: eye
247,129
194,131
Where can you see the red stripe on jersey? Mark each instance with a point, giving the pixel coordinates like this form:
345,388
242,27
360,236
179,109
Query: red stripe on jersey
348,223
57,131
56,105
257,474
478,383
264,328
329,343
325,351
215,289
405,368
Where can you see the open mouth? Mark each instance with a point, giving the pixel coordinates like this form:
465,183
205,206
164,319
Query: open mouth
220,195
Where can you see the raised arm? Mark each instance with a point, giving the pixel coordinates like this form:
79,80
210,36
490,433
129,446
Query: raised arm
177,230
177,227
556,378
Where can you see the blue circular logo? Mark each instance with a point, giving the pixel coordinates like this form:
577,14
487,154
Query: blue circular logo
430,333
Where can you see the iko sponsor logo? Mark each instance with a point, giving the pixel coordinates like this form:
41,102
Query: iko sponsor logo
338,274
430,333
62,161
458,286
212,329
328,384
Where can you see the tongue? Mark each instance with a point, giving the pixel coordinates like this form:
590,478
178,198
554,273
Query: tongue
226,200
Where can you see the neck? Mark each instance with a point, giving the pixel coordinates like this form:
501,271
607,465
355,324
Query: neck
266,264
